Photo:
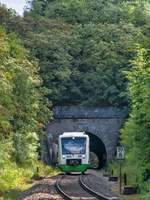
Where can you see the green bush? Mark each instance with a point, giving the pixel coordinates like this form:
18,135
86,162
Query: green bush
43,170
145,190
135,133
12,176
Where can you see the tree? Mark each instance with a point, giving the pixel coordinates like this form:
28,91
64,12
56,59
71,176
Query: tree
20,103
84,55
136,132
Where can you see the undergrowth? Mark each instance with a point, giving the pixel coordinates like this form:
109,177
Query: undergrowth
14,179
134,177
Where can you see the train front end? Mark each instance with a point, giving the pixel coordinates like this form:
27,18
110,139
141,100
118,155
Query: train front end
73,152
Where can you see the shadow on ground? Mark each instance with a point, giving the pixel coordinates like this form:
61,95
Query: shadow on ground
11,194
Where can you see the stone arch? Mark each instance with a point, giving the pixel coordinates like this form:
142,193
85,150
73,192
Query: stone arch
102,124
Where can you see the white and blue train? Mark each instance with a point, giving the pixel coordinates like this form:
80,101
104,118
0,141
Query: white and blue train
73,152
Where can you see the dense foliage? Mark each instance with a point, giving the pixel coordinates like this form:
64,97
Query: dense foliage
136,133
79,62
96,11
22,108
85,48
80,59
87,54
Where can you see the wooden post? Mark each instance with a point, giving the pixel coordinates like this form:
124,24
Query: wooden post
125,179
120,176
37,170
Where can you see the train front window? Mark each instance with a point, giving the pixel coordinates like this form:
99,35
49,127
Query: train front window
73,145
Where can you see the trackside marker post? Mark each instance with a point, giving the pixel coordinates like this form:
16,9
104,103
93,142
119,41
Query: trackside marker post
120,157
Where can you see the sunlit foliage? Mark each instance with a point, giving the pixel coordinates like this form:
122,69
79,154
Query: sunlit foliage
21,101
136,133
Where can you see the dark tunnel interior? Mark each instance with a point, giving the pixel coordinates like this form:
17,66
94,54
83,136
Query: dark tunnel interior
98,148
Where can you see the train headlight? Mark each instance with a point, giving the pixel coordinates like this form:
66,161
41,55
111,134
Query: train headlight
83,156
63,157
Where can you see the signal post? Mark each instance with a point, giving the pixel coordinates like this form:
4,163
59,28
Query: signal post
120,157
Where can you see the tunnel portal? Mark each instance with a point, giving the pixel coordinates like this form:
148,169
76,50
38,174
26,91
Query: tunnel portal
101,123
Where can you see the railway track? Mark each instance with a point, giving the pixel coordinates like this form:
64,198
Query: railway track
60,190
75,188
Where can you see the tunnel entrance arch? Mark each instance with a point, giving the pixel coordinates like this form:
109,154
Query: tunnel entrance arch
102,124
97,147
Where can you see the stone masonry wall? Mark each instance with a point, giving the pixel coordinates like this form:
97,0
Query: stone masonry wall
105,123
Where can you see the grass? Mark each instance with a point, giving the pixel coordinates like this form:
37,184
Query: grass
16,180
10,195
131,197
14,193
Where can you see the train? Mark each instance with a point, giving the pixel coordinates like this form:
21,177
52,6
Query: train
73,152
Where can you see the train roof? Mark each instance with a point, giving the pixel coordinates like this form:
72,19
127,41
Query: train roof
73,133
67,134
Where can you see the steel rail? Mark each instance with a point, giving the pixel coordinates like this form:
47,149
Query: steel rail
94,193
60,191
